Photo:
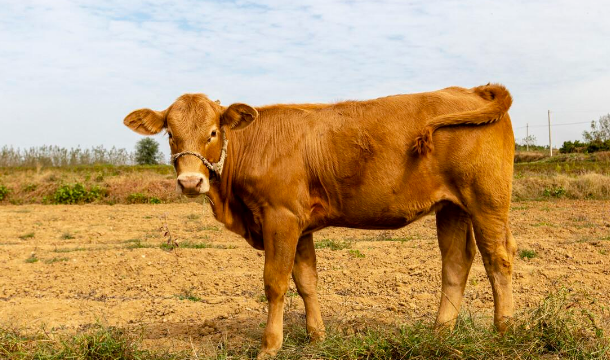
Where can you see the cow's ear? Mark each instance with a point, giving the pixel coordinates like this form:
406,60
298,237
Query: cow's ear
146,121
238,116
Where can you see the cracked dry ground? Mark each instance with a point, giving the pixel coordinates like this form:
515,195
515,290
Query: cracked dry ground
65,268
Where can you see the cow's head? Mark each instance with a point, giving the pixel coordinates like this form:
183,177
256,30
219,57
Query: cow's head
193,123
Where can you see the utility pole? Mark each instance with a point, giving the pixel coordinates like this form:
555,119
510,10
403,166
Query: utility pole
527,136
550,143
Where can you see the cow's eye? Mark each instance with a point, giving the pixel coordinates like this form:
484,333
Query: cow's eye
169,135
213,133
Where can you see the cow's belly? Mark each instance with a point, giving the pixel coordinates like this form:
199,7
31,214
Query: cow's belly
390,214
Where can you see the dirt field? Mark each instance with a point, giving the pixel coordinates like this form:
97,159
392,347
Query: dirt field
65,268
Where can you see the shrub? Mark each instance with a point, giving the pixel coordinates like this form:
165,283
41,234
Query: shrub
77,193
556,192
4,191
30,187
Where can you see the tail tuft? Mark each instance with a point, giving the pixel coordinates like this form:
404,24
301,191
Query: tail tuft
499,101
423,143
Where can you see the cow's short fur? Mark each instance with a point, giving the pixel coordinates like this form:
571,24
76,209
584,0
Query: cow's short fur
378,164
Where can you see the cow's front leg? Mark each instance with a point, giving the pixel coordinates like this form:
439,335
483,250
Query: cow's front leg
280,235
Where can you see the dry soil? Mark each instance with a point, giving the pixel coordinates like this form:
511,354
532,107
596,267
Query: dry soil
64,268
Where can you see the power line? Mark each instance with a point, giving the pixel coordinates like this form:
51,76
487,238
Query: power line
561,124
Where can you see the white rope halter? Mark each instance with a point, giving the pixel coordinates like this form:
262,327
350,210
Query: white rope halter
215,167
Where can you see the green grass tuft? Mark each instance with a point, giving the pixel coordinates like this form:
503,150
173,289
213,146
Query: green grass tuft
356,253
333,244
56,259
65,250
27,236
193,217
527,254
67,236
137,244
187,294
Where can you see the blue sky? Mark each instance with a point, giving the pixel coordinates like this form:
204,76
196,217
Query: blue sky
71,70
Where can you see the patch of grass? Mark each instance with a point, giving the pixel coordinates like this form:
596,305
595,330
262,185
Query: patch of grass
30,187
32,259
388,236
356,253
555,192
558,328
27,236
544,223
67,236
139,198
333,244
56,259
97,343
527,254
194,245
520,207
23,211
561,327
208,228
66,250
187,294
137,244
193,217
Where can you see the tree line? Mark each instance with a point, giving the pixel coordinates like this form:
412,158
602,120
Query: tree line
146,153
597,138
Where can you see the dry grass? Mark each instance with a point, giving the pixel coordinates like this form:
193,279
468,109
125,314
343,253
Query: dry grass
587,186
524,156
580,176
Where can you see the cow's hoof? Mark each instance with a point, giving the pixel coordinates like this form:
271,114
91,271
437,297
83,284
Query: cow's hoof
503,325
266,354
317,336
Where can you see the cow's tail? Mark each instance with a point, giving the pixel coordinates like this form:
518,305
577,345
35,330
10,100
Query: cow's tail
500,101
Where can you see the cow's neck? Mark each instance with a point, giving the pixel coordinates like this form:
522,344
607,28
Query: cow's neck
221,195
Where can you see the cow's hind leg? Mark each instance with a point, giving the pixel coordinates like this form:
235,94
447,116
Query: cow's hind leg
497,247
280,235
305,277
456,241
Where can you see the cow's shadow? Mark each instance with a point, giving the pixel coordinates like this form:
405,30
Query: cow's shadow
243,333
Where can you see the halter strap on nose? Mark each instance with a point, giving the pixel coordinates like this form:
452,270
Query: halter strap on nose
215,167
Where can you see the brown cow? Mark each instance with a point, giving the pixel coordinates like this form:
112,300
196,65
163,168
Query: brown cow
291,170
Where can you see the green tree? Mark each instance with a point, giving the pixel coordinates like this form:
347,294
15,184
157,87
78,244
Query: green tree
147,152
600,131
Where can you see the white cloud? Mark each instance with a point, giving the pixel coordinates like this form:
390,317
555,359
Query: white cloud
71,70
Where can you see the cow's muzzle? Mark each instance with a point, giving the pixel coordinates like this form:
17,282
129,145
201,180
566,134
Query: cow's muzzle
193,184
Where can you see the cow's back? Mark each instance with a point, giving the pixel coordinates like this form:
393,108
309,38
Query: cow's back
351,163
